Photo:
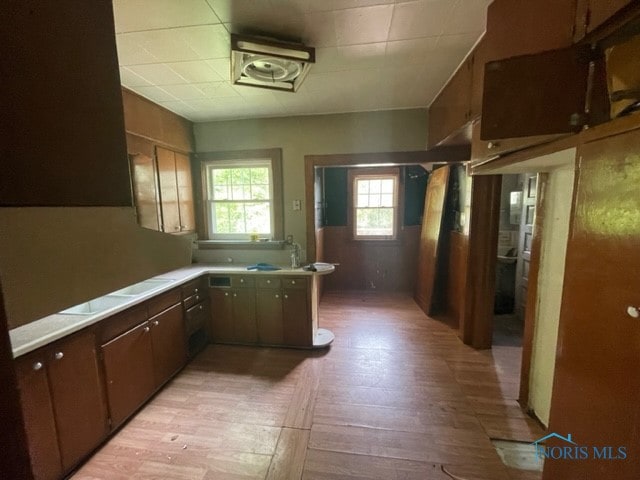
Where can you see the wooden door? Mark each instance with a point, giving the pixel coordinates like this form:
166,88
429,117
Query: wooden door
434,204
540,94
39,421
525,241
169,343
244,315
128,366
168,190
295,317
145,190
221,315
269,316
597,379
79,401
185,193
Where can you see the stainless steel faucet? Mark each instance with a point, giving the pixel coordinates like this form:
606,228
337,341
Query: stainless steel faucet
295,252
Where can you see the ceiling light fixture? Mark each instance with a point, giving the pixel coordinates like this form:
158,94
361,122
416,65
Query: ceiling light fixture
266,63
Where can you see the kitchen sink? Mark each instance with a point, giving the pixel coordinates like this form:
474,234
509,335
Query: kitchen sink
142,287
96,305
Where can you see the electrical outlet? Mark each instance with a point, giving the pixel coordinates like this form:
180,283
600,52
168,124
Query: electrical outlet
297,205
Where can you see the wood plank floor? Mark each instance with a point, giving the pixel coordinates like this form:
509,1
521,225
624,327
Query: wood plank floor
397,396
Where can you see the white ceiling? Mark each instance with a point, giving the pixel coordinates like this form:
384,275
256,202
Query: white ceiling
370,54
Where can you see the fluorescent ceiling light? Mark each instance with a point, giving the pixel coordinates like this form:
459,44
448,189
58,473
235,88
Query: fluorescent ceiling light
266,63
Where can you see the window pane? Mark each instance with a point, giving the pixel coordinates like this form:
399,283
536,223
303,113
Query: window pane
260,192
363,186
237,192
220,217
260,176
386,200
374,200
387,185
363,201
258,217
220,192
374,222
221,176
374,186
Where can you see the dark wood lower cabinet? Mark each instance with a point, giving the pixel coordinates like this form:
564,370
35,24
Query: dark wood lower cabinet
64,404
296,318
39,421
269,317
129,375
167,339
244,315
221,315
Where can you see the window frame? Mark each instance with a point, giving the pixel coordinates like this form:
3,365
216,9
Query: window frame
373,173
243,158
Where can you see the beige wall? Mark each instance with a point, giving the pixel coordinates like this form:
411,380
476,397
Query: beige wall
384,131
53,258
551,277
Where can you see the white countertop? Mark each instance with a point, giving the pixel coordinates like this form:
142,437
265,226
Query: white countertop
41,332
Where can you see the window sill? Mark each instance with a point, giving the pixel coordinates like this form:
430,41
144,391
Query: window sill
240,245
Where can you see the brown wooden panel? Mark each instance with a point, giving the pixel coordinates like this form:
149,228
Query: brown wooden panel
169,343
596,385
128,367
295,318
268,282
196,287
38,416
243,281
196,317
79,401
62,145
269,316
457,276
168,190
434,203
185,193
111,327
244,315
145,191
221,314
599,12
535,94
163,301
451,109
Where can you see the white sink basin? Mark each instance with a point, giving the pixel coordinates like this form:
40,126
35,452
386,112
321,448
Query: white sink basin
96,305
142,287
323,267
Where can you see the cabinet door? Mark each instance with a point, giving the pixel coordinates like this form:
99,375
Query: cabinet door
145,191
535,94
128,366
590,14
168,190
185,193
269,316
79,402
295,317
221,315
168,340
244,315
38,417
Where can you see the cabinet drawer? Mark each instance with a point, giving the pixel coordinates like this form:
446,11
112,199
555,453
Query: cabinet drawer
112,327
299,282
193,299
195,287
196,317
242,281
269,282
162,302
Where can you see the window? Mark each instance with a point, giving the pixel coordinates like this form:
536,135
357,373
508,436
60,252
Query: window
375,205
242,196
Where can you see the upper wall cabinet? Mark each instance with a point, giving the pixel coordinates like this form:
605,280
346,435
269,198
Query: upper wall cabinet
176,191
62,125
591,14
451,110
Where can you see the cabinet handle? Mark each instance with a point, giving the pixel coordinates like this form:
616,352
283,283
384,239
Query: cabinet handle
156,323
493,145
268,281
286,296
293,282
242,280
58,355
200,307
277,296
226,294
196,290
37,366
235,294
633,312
197,298
146,330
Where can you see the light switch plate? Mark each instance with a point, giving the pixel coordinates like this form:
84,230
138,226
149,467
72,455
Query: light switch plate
296,205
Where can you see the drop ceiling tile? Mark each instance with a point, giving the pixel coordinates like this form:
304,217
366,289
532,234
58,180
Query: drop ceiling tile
155,94
222,66
138,15
247,91
182,44
178,107
130,79
422,18
457,46
130,52
158,74
319,30
469,16
356,57
326,5
184,92
217,89
363,25
415,50
198,71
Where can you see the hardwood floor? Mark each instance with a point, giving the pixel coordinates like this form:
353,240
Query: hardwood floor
397,396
